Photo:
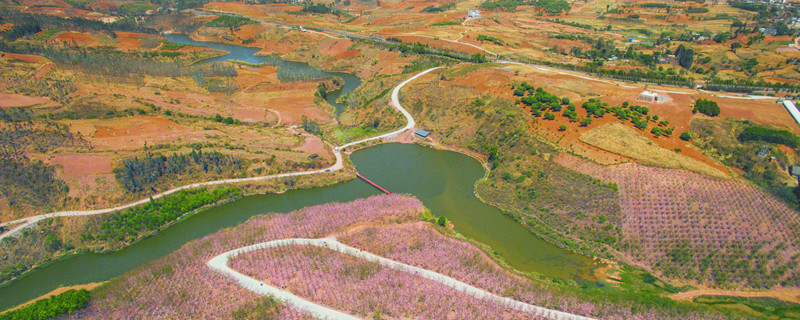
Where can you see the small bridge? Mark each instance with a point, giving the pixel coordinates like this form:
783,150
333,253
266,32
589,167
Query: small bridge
373,184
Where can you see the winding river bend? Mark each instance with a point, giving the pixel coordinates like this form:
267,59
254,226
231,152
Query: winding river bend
442,180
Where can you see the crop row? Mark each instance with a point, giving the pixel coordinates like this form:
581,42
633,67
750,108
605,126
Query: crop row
707,229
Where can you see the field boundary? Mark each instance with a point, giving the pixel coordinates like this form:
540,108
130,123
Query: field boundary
219,264
30,221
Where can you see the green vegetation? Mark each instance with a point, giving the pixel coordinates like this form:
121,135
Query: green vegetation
171,46
317,8
569,23
548,7
22,30
764,308
47,21
134,7
706,107
719,140
311,126
143,175
496,40
228,22
446,23
685,57
525,184
780,136
426,62
47,34
56,306
128,224
696,10
23,182
442,8
263,308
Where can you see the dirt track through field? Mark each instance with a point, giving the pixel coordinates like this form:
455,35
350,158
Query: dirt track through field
30,221
220,264
785,294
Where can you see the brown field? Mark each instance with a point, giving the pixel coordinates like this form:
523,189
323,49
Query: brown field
130,40
77,165
16,100
128,133
77,38
313,144
677,111
22,57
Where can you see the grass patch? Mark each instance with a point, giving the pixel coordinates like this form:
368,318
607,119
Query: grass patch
228,22
446,23
618,138
47,34
763,308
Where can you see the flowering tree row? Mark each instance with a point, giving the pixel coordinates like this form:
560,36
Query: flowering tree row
181,286
419,245
687,225
362,288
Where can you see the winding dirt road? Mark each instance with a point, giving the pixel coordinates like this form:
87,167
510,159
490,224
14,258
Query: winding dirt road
30,221
220,264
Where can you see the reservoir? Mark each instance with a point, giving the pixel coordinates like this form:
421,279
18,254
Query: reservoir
442,180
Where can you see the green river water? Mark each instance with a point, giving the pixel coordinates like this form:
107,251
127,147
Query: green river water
442,180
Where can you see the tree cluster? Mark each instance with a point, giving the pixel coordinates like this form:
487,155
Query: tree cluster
755,133
56,306
143,174
128,224
706,107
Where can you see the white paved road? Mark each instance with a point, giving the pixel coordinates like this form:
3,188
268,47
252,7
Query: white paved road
30,221
220,264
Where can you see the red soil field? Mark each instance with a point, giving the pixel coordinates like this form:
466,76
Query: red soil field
137,126
78,38
338,49
130,40
17,100
76,165
22,57
44,70
313,144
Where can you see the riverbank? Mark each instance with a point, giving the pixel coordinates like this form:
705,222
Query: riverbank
88,286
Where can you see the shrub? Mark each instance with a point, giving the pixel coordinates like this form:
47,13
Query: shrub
779,136
686,136
56,306
706,107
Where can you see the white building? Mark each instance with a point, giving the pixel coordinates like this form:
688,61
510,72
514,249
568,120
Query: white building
473,14
648,96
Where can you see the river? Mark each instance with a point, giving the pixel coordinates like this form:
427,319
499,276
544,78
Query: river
442,180
285,67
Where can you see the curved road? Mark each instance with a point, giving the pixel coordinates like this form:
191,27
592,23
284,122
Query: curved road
29,221
220,264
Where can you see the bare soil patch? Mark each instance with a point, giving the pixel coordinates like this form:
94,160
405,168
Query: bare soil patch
76,38
785,294
8,100
76,165
313,144
22,57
